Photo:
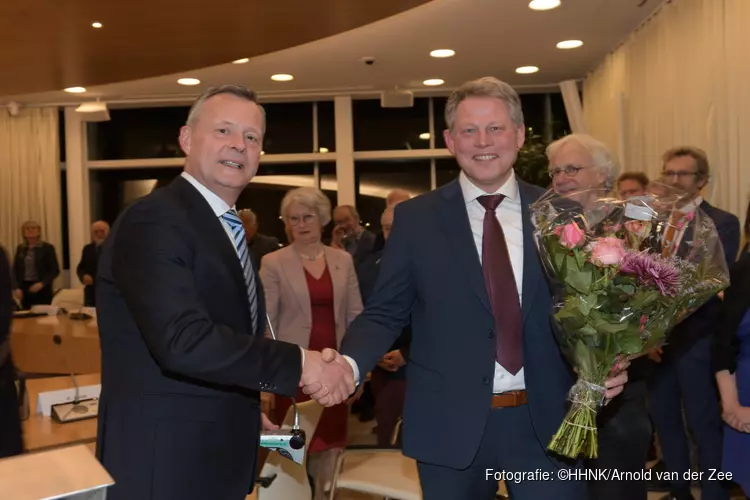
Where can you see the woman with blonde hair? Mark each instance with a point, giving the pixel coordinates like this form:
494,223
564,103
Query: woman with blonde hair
35,267
312,295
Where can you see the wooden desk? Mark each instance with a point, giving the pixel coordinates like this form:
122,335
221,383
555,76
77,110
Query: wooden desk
34,350
42,433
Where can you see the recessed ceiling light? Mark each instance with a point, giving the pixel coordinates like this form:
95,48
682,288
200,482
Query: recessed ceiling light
282,77
263,152
75,90
188,81
526,70
96,25
544,4
241,61
569,44
433,81
443,53
425,136
323,150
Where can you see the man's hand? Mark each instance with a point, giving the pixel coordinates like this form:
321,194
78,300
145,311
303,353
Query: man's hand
392,361
655,354
616,383
337,237
327,377
266,423
737,417
18,293
88,280
36,287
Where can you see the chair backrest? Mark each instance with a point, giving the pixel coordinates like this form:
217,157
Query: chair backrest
291,478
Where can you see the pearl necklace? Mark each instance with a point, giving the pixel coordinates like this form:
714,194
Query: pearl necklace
311,257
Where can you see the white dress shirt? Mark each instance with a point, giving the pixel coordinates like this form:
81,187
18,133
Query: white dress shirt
508,214
218,205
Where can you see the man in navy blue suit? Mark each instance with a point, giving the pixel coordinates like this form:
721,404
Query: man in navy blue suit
486,383
685,376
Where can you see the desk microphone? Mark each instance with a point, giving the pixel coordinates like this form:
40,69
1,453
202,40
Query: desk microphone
78,409
290,443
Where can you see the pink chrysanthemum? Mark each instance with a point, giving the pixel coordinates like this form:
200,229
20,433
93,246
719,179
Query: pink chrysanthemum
652,270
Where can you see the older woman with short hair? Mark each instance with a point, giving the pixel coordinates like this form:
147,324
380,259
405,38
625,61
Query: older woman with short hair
312,295
35,267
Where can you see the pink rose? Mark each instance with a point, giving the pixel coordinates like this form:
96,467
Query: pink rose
638,227
607,251
572,236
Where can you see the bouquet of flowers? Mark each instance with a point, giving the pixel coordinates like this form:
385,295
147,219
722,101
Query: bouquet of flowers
625,273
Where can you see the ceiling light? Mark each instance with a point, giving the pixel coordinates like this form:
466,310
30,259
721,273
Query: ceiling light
433,81
425,136
262,152
569,44
544,4
75,90
96,25
526,70
241,61
281,77
443,53
188,81
323,150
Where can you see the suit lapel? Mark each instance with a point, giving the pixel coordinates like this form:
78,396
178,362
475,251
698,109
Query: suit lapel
212,233
291,267
455,220
531,264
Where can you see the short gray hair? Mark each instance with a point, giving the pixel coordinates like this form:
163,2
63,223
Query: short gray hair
309,197
600,155
235,90
485,87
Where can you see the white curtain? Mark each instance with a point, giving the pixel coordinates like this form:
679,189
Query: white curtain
572,101
683,78
30,176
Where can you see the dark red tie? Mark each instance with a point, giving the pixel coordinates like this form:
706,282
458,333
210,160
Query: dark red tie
501,288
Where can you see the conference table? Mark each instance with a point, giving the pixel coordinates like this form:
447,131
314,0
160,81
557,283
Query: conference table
55,345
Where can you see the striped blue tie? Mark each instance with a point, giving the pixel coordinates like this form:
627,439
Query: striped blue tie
238,235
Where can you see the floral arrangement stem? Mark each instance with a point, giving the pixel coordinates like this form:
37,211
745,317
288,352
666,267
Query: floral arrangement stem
578,433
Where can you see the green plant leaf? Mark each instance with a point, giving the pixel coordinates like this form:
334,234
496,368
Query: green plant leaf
580,280
580,258
586,303
629,342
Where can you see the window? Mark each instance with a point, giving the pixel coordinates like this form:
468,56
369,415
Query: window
560,123
113,190
326,126
289,128
137,133
380,129
438,112
446,170
375,179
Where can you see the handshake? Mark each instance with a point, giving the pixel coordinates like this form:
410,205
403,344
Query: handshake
327,377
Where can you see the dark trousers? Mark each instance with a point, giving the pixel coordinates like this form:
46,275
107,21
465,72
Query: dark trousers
689,381
11,442
42,297
389,395
624,440
509,444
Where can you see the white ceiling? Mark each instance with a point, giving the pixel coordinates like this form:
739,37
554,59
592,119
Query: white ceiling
490,37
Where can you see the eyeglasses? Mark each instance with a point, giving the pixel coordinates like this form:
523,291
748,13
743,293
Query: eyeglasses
570,171
294,220
673,173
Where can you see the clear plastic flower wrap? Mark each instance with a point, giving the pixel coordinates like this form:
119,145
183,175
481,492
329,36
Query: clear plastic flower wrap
625,272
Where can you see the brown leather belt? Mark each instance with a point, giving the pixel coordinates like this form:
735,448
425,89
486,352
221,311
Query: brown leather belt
509,399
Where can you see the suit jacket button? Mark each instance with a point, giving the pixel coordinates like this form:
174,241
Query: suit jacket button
490,333
486,380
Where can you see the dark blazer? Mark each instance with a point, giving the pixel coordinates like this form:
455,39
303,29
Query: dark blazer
726,346
262,245
704,321
11,442
182,363
365,246
47,266
431,271
88,265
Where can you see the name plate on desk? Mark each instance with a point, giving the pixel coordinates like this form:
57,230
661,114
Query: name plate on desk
46,400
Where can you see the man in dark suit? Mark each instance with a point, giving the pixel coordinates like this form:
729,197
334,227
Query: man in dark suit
259,244
349,235
89,263
685,375
181,318
486,382
11,442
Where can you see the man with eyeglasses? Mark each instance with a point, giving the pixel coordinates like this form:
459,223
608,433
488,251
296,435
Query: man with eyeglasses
684,376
